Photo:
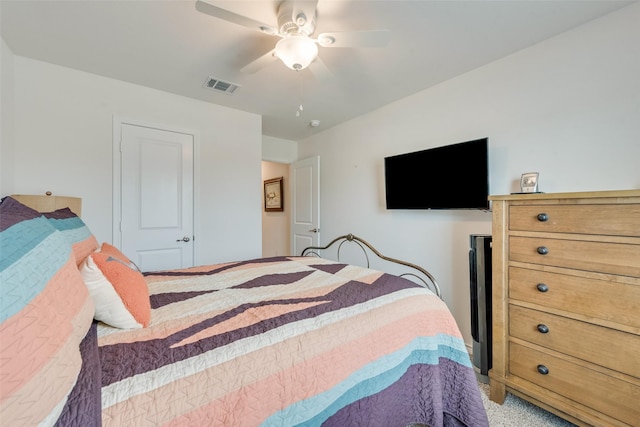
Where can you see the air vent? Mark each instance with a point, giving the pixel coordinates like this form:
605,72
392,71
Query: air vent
220,86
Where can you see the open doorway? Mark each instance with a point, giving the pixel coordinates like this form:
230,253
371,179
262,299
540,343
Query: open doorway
276,226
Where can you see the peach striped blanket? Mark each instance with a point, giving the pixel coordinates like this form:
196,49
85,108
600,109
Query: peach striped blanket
288,341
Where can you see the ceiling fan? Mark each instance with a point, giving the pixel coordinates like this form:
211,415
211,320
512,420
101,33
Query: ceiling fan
296,23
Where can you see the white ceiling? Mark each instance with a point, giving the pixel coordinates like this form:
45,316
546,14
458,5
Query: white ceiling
169,45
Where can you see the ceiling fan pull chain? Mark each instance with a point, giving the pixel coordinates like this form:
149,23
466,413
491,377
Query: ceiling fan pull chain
300,108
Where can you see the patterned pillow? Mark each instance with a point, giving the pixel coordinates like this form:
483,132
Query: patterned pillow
75,231
45,312
118,289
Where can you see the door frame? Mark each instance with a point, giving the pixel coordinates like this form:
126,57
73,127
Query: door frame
118,122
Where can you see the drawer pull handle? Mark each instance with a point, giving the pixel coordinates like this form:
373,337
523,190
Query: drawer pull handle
542,328
543,217
543,369
542,250
542,287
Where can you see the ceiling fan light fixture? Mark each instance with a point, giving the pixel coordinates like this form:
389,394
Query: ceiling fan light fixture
297,51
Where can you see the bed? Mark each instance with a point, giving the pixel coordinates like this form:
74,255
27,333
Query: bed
88,340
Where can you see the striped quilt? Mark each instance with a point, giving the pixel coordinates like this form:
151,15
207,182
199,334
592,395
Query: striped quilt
288,341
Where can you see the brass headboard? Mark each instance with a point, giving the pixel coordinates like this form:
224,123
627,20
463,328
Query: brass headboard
50,203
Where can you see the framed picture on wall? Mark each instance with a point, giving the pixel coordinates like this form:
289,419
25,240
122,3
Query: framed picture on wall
273,195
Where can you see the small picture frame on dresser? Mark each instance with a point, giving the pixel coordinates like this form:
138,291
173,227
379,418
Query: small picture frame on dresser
529,182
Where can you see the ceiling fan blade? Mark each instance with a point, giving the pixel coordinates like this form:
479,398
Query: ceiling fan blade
259,63
320,70
373,38
218,12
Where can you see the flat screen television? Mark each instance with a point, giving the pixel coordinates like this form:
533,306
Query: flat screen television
449,177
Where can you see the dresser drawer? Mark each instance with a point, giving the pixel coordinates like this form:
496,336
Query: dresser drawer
611,396
604,257
612,220
598,299
607,347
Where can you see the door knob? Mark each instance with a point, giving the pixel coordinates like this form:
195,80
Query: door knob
314,230
184,239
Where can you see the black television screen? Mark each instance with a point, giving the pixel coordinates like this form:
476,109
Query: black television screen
449,177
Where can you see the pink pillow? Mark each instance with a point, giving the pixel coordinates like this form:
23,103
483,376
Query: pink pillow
118,289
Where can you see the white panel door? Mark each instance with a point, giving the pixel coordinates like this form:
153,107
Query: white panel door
305,214
156,197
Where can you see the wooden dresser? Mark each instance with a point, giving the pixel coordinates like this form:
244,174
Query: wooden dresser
566,304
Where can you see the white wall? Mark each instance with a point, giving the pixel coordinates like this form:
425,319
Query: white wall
63,143
568,108
279,150
6,115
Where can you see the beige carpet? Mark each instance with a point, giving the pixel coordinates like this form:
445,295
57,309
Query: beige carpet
517,412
